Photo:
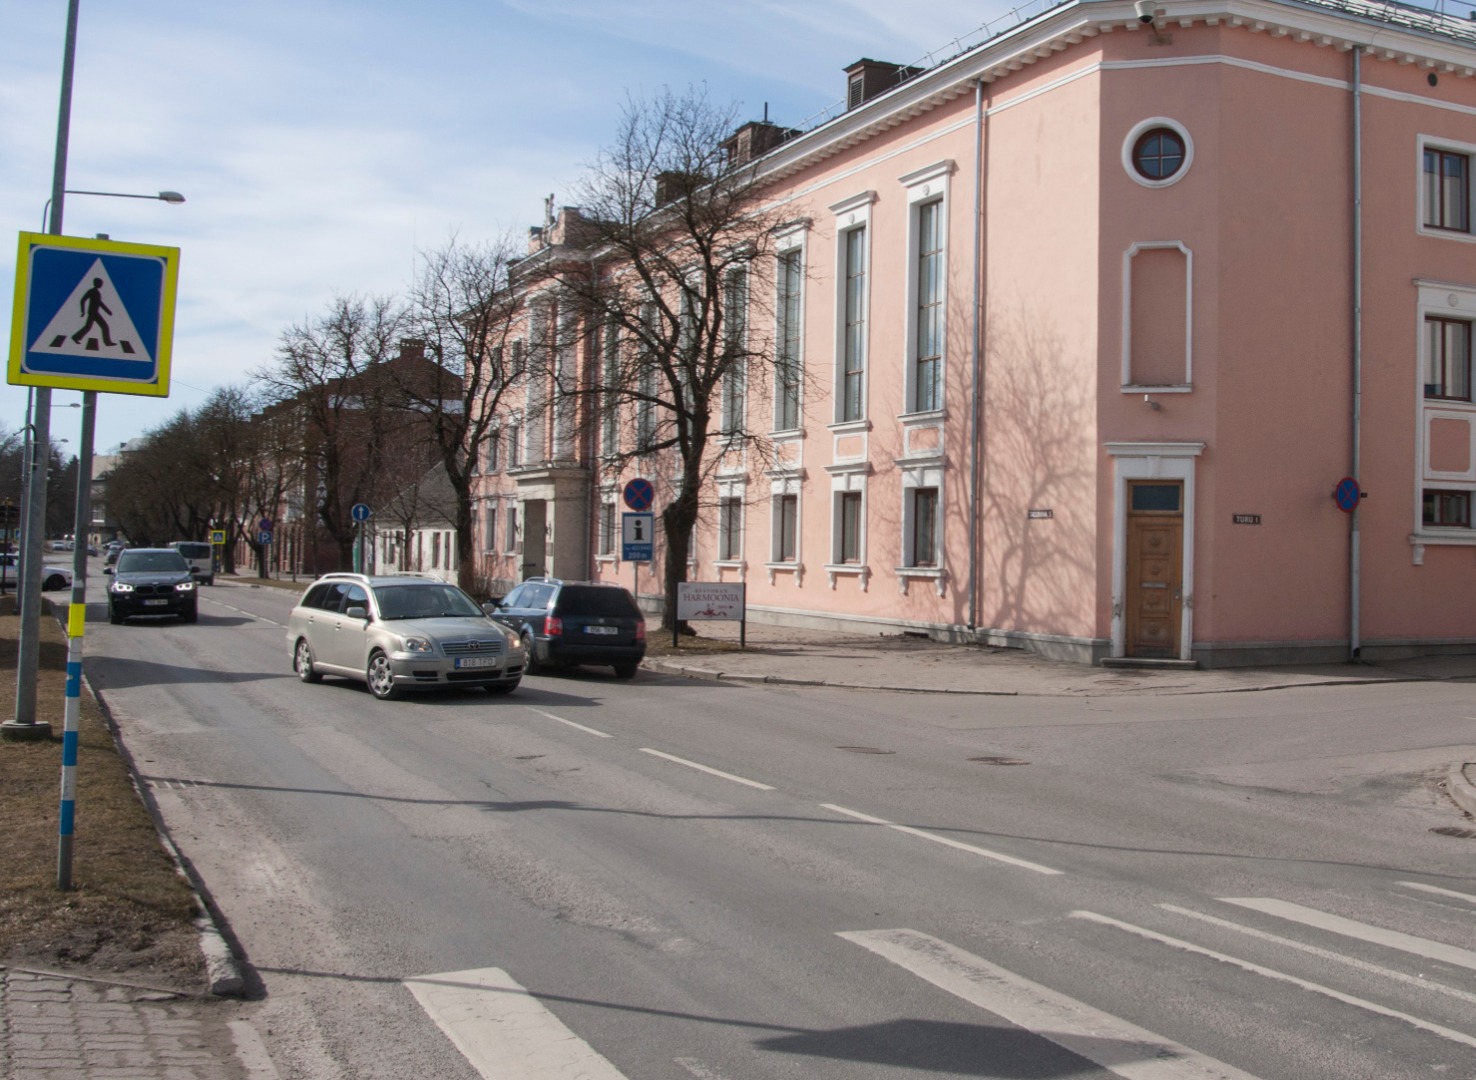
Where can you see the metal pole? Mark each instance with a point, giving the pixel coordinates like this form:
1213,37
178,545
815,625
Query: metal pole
76,622
1355,539
25,725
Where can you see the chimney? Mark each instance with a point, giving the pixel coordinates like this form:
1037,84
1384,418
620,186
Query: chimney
671,186
866,79
412,349
755,139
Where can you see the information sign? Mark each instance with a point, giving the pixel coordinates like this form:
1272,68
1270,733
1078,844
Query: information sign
637,537
710,601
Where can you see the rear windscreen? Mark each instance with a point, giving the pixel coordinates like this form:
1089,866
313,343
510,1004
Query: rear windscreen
584,600
194,551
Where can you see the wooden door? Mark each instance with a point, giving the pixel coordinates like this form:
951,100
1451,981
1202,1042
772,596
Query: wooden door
1155,568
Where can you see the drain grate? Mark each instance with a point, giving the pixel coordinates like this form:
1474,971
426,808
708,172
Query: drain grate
1000,760
865,750
1458,833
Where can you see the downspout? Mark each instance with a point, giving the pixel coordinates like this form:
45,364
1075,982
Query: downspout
1354,538
976,388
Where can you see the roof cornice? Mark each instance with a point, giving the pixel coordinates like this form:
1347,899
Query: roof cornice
1341,24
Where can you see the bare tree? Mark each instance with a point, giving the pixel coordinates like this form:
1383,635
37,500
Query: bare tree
679,262
462,308
332,378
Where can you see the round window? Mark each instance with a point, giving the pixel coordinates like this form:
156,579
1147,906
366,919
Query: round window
1158,154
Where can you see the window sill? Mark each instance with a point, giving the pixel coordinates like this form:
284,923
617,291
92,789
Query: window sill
856,570
1158,388
787,435
612,559
907,574
738,565
1446,536
923,416
777,568
1462,235
848,427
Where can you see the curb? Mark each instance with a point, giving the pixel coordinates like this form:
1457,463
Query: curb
223,972
713,675
1460,787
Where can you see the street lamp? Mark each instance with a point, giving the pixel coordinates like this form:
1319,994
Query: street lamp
174,198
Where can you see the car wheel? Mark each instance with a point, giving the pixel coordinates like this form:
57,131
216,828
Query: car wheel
502,687
381,677
302,662
114,617
55,581
531,663
626,671
190,615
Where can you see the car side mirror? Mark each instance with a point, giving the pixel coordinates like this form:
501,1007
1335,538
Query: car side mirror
194,571
107,569
358,611
489,608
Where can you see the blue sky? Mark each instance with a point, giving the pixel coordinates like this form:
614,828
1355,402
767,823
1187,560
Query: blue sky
322,143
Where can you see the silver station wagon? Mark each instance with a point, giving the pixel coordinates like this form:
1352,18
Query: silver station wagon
400,632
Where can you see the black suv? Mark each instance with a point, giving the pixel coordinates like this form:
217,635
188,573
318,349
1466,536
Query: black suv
151,581
576,622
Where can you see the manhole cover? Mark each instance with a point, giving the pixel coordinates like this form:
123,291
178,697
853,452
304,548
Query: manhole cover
1000,760
1451,830
865,750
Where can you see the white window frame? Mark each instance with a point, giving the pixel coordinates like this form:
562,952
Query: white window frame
608,527
926,186
490,520
852,215
1137,132
1128,386
913,478
513,527
730,491
786,483
1450,146
735,383
848,479
786,244
1444,300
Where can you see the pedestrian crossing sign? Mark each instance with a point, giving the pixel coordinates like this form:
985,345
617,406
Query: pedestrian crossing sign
93,315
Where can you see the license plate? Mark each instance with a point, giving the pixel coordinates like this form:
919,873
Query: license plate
155,603
602,629
475,661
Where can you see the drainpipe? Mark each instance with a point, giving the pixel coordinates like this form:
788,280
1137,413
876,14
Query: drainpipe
1354,538
976,388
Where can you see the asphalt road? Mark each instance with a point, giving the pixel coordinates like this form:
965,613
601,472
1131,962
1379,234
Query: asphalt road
667,879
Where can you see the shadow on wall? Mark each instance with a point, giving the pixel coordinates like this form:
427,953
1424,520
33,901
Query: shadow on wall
1040,431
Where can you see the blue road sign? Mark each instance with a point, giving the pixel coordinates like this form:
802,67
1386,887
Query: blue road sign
93,315
264,538
360,512
1346,494
637,536
639,494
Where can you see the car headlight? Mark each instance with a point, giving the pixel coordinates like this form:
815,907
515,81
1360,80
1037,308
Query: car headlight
185,586
119,586
514,643
418,644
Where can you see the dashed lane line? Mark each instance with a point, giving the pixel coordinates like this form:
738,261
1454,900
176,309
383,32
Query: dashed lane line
1280,976
1324,954
1115,1044
1438,891
1377,935
571,723
947,841
707,769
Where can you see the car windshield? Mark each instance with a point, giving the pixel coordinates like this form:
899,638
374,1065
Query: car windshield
424,602
133,562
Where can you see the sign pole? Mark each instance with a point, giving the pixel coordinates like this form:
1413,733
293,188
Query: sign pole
76,623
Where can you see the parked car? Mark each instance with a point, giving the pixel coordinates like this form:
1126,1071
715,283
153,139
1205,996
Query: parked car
576,622
200,556
151,581
53,576
400,632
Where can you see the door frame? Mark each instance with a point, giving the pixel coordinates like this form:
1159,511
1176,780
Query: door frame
1151,461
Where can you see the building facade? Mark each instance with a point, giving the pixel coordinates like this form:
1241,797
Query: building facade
1116,339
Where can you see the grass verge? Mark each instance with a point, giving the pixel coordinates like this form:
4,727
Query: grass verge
129,910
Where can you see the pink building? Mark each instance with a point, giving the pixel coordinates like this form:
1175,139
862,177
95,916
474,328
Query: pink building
1094,318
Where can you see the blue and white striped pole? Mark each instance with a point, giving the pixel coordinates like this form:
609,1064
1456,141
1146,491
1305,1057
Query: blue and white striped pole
71,725
76,624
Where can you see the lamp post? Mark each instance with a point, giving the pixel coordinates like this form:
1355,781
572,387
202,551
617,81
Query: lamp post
172,197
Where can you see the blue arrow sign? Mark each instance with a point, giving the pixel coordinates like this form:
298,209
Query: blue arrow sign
93,315
360,512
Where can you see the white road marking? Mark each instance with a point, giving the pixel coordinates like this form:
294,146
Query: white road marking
1324,954
1279,976
1109,1041
503,1030
571,723
707,769
1438,891
1393,939
947,841
697,1069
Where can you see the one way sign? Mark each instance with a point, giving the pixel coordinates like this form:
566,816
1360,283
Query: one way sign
93,315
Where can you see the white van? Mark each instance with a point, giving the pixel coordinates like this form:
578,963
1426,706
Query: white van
200,556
